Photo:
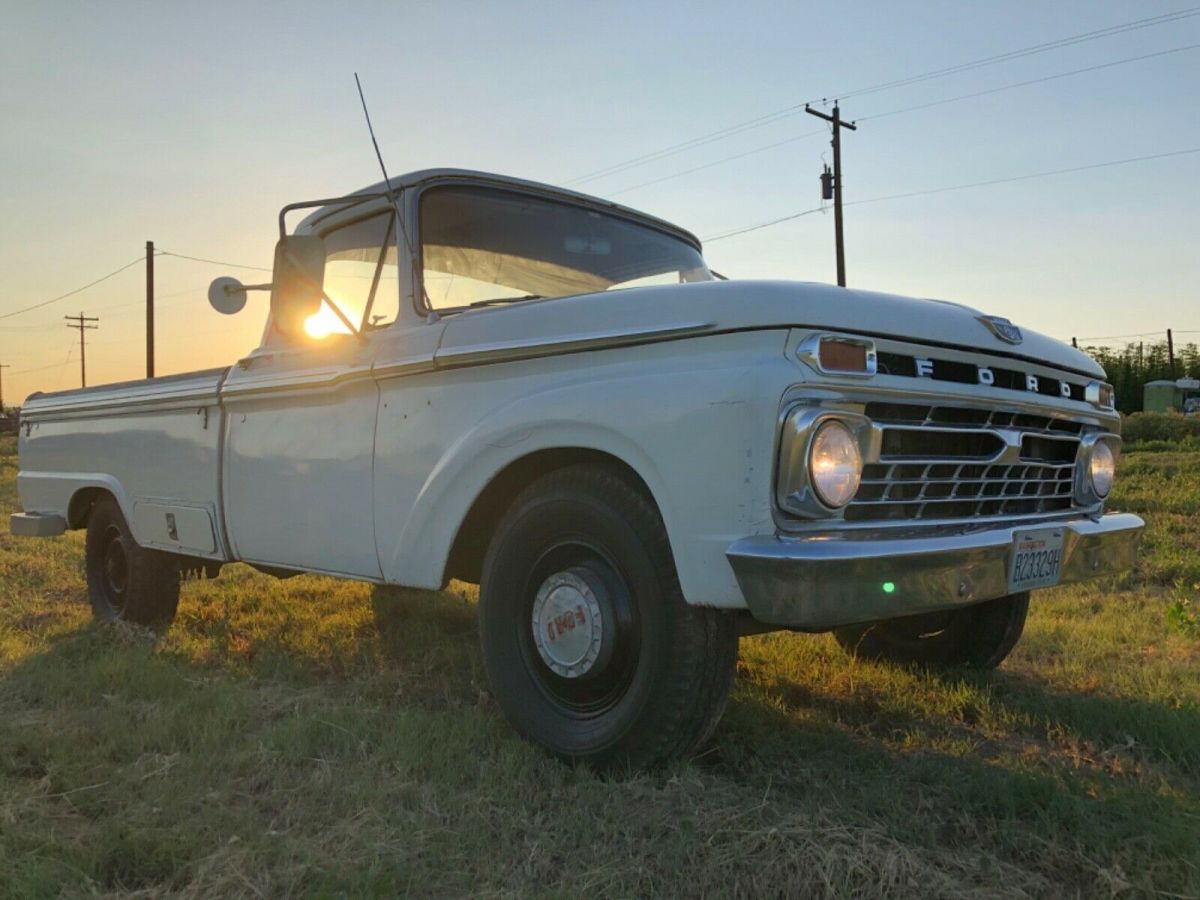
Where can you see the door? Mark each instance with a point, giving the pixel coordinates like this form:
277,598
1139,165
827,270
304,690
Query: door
301,414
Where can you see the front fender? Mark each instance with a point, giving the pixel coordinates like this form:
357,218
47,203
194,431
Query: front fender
697,428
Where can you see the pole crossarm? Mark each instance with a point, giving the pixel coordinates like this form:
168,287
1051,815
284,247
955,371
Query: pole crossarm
828,118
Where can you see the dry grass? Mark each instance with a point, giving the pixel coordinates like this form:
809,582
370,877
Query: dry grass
311,737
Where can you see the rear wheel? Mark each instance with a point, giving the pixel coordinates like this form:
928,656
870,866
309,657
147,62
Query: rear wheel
589,646
125,581
979,636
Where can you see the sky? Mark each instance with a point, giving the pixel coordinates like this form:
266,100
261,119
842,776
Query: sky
191,124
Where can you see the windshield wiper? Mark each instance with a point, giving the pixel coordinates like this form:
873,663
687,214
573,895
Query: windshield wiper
496,301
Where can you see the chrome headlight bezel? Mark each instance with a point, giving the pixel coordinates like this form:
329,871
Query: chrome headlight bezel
795,493
1086,493
1100,394
809,353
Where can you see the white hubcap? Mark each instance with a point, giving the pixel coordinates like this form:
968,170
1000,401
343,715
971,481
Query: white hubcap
568,626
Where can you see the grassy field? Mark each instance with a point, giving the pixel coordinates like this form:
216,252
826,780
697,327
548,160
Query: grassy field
310,737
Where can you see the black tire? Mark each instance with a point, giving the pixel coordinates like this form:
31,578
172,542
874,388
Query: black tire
979,637
662,669
127,582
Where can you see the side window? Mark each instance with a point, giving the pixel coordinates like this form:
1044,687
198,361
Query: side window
360,277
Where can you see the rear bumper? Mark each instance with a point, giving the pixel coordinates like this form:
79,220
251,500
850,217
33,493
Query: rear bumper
823,581
36,524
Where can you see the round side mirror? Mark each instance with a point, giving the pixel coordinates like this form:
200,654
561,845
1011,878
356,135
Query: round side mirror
227,295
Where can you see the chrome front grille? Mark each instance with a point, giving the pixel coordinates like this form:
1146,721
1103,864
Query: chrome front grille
946,462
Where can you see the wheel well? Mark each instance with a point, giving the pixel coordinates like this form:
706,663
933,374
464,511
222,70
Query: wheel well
470,544
81,505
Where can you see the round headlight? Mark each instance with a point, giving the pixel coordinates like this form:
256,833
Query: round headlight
1102,469
834,464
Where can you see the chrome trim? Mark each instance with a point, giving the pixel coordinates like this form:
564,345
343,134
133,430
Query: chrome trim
192,390
414,365
295,383
794,491
1085,491
809,353
852,397
532,348
1010,453
830,579
1092,394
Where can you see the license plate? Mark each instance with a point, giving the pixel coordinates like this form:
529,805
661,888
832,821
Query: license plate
1036,559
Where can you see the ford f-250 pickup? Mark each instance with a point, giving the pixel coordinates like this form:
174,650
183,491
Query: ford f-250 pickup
475,377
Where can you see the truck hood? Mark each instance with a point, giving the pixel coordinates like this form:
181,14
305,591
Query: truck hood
737,306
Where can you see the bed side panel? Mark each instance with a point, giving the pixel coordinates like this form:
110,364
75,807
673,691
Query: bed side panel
155,448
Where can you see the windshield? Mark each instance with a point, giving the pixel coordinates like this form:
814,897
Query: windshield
481,245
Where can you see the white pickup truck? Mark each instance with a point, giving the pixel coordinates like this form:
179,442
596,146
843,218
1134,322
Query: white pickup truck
475,377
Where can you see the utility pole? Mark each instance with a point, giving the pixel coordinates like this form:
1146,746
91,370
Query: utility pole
838,125
149,309
80,321
1171,351
2,368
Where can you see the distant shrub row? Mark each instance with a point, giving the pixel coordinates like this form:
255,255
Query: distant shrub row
1160,428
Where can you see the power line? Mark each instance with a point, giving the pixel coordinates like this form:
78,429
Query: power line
1032,50
718,162
1031,81
214,262
40,368
128,265
57,365
760,225
698,141
74,292
1121,337
961,187
1012,178
771,117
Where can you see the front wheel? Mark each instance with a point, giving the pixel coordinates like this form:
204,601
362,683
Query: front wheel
589,646
978,636
125,581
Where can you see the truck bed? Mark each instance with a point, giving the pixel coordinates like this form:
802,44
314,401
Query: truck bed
154,444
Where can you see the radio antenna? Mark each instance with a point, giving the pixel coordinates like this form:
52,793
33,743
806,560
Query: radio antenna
391,194
371,130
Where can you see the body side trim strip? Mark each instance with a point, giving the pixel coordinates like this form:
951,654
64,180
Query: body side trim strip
506,351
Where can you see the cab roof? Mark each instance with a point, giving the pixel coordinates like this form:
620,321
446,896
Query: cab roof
329,214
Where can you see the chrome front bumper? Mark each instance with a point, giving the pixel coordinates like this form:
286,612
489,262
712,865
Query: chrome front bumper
823,581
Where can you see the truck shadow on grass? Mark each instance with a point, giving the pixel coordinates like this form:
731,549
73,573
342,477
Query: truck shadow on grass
1006,711
1085,823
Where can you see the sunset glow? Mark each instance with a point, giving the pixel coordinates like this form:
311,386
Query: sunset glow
323,323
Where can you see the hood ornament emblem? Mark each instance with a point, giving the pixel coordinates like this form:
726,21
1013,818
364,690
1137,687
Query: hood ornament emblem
1002,328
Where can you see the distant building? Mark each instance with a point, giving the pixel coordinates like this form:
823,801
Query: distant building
1181,395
